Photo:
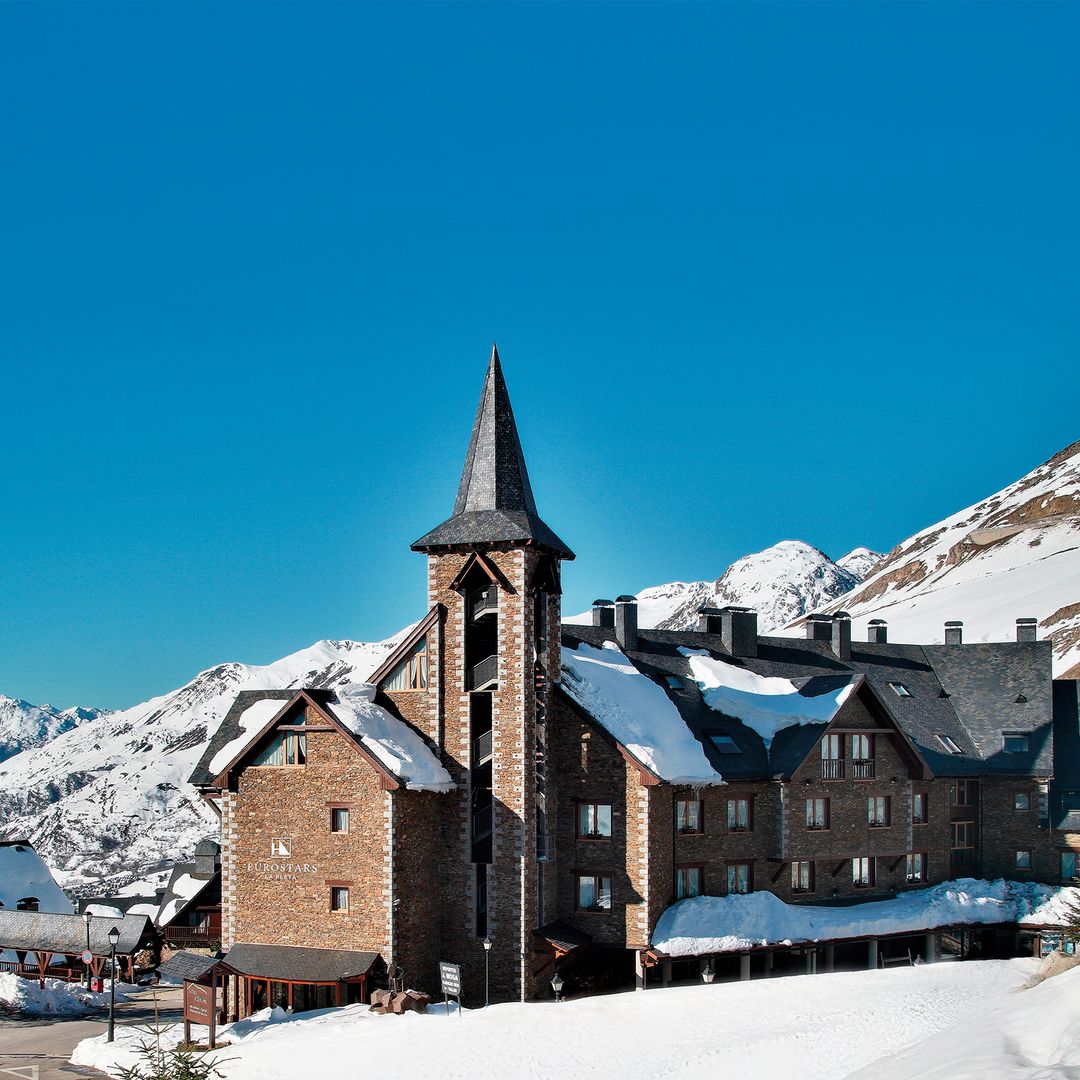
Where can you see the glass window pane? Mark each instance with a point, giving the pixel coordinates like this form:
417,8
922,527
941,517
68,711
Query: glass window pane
603,819
586,892
604,898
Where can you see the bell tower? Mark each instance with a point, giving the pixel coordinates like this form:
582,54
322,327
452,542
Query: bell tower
494,566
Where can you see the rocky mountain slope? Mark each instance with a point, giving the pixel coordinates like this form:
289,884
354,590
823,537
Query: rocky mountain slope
1013,555
781,583
24,726
107,801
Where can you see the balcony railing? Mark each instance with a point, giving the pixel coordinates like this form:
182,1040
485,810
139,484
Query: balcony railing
485,602
193,935
832,768
862,769
485,674
481,824
481,749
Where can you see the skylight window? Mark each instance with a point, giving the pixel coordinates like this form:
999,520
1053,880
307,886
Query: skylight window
899,689
948,744
1015,744
725,744
673,681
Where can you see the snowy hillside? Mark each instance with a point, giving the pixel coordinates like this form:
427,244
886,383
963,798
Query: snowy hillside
1015,554
24,726
109,799
780,583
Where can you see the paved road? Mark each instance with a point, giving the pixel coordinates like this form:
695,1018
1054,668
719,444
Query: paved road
39,1049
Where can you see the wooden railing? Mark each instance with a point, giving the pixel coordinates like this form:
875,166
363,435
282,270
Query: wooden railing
832,768
862,769
193,935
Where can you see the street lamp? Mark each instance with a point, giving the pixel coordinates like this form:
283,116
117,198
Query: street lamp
487,970
114,937
87,916
557,985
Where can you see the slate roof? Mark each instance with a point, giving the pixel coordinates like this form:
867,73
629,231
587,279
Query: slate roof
966,693
188,965
495,499
296,963
30,930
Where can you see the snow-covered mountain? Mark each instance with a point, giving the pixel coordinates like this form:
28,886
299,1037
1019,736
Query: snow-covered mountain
861,562
780,583
24,726
1013,555
107,801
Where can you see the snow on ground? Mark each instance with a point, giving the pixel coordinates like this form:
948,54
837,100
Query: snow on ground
766,704
822,1027
58,998
637,712
714,924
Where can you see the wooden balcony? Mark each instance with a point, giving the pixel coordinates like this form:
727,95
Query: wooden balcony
832,768
204,936
862,769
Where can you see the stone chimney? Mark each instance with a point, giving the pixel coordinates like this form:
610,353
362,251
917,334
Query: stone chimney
709,620
1025,629
819,627
841,635
626,622
738,629
954,632
603,613
877,631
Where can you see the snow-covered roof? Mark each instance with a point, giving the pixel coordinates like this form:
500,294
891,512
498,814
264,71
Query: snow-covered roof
715,924
182,889
23,873
251,721
767,704
637,712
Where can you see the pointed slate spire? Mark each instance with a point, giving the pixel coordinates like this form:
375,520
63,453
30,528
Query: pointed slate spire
494,500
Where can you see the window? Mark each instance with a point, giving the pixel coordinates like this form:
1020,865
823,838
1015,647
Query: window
862,873
687,882
593,893
410,673
482,901
862,757
283,749
738,877
916,867
817,813
688,815
673,682
1023,860
339,898
899,689
948,745
963,841
832,763
1068,866
27,903
339,819
1070,802
594,820
963,792
919,814
1015,744
877,811
724,744
1021,801
802,877
738,815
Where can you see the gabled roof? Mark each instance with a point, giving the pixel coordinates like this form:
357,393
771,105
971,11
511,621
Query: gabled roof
405,647
495,500
188,965
44,931
183,889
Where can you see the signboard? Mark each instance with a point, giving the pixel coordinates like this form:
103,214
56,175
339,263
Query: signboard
86,956
200,1007
450,980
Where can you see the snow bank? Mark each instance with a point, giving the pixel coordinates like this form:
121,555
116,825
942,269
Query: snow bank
58,998
390,741
765,704
715,924
637,712
104,911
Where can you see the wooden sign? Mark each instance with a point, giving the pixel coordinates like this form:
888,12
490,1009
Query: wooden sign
200,1007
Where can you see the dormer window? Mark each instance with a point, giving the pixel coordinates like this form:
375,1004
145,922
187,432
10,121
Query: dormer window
411,673
948,745
899,689
724,744
1015,744
283,748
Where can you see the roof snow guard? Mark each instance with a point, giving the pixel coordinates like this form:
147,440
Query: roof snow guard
494,501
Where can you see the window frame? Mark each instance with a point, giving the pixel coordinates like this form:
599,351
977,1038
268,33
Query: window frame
857,882
899,689
594,805
963,793
1026,797
734,865
911,876
337,894
682,870
686,801
598,891
287,740
414,666
1022,735
733,805
924,819
825,801
1062,856
1023,860
811,884
334,812
886,807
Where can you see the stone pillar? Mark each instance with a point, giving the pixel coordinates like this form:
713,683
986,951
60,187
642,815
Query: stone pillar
872,953
830,957
639,970
811,961
930,951
744,967
768,964
666,973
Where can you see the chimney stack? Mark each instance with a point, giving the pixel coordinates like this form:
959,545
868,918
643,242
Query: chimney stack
877,631
954,633
603,613
1025,629
626,622
709,620
819,627
841,635
738,629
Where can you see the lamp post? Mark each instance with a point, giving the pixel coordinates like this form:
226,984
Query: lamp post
557,985
87,916
114,937
487,972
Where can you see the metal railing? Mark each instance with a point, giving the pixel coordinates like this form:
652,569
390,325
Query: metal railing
481,824
862,769
484,602
481,749
832,768
484,674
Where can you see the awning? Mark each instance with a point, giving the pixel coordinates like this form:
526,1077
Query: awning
562,937
188,965
296,963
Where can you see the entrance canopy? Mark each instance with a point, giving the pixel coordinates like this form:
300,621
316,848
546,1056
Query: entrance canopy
295,963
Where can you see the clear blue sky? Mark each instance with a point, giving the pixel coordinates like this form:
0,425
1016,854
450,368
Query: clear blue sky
756,272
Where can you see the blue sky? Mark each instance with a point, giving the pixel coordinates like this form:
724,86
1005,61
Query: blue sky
756,272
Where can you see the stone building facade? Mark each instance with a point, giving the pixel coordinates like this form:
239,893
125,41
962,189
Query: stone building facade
485,804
